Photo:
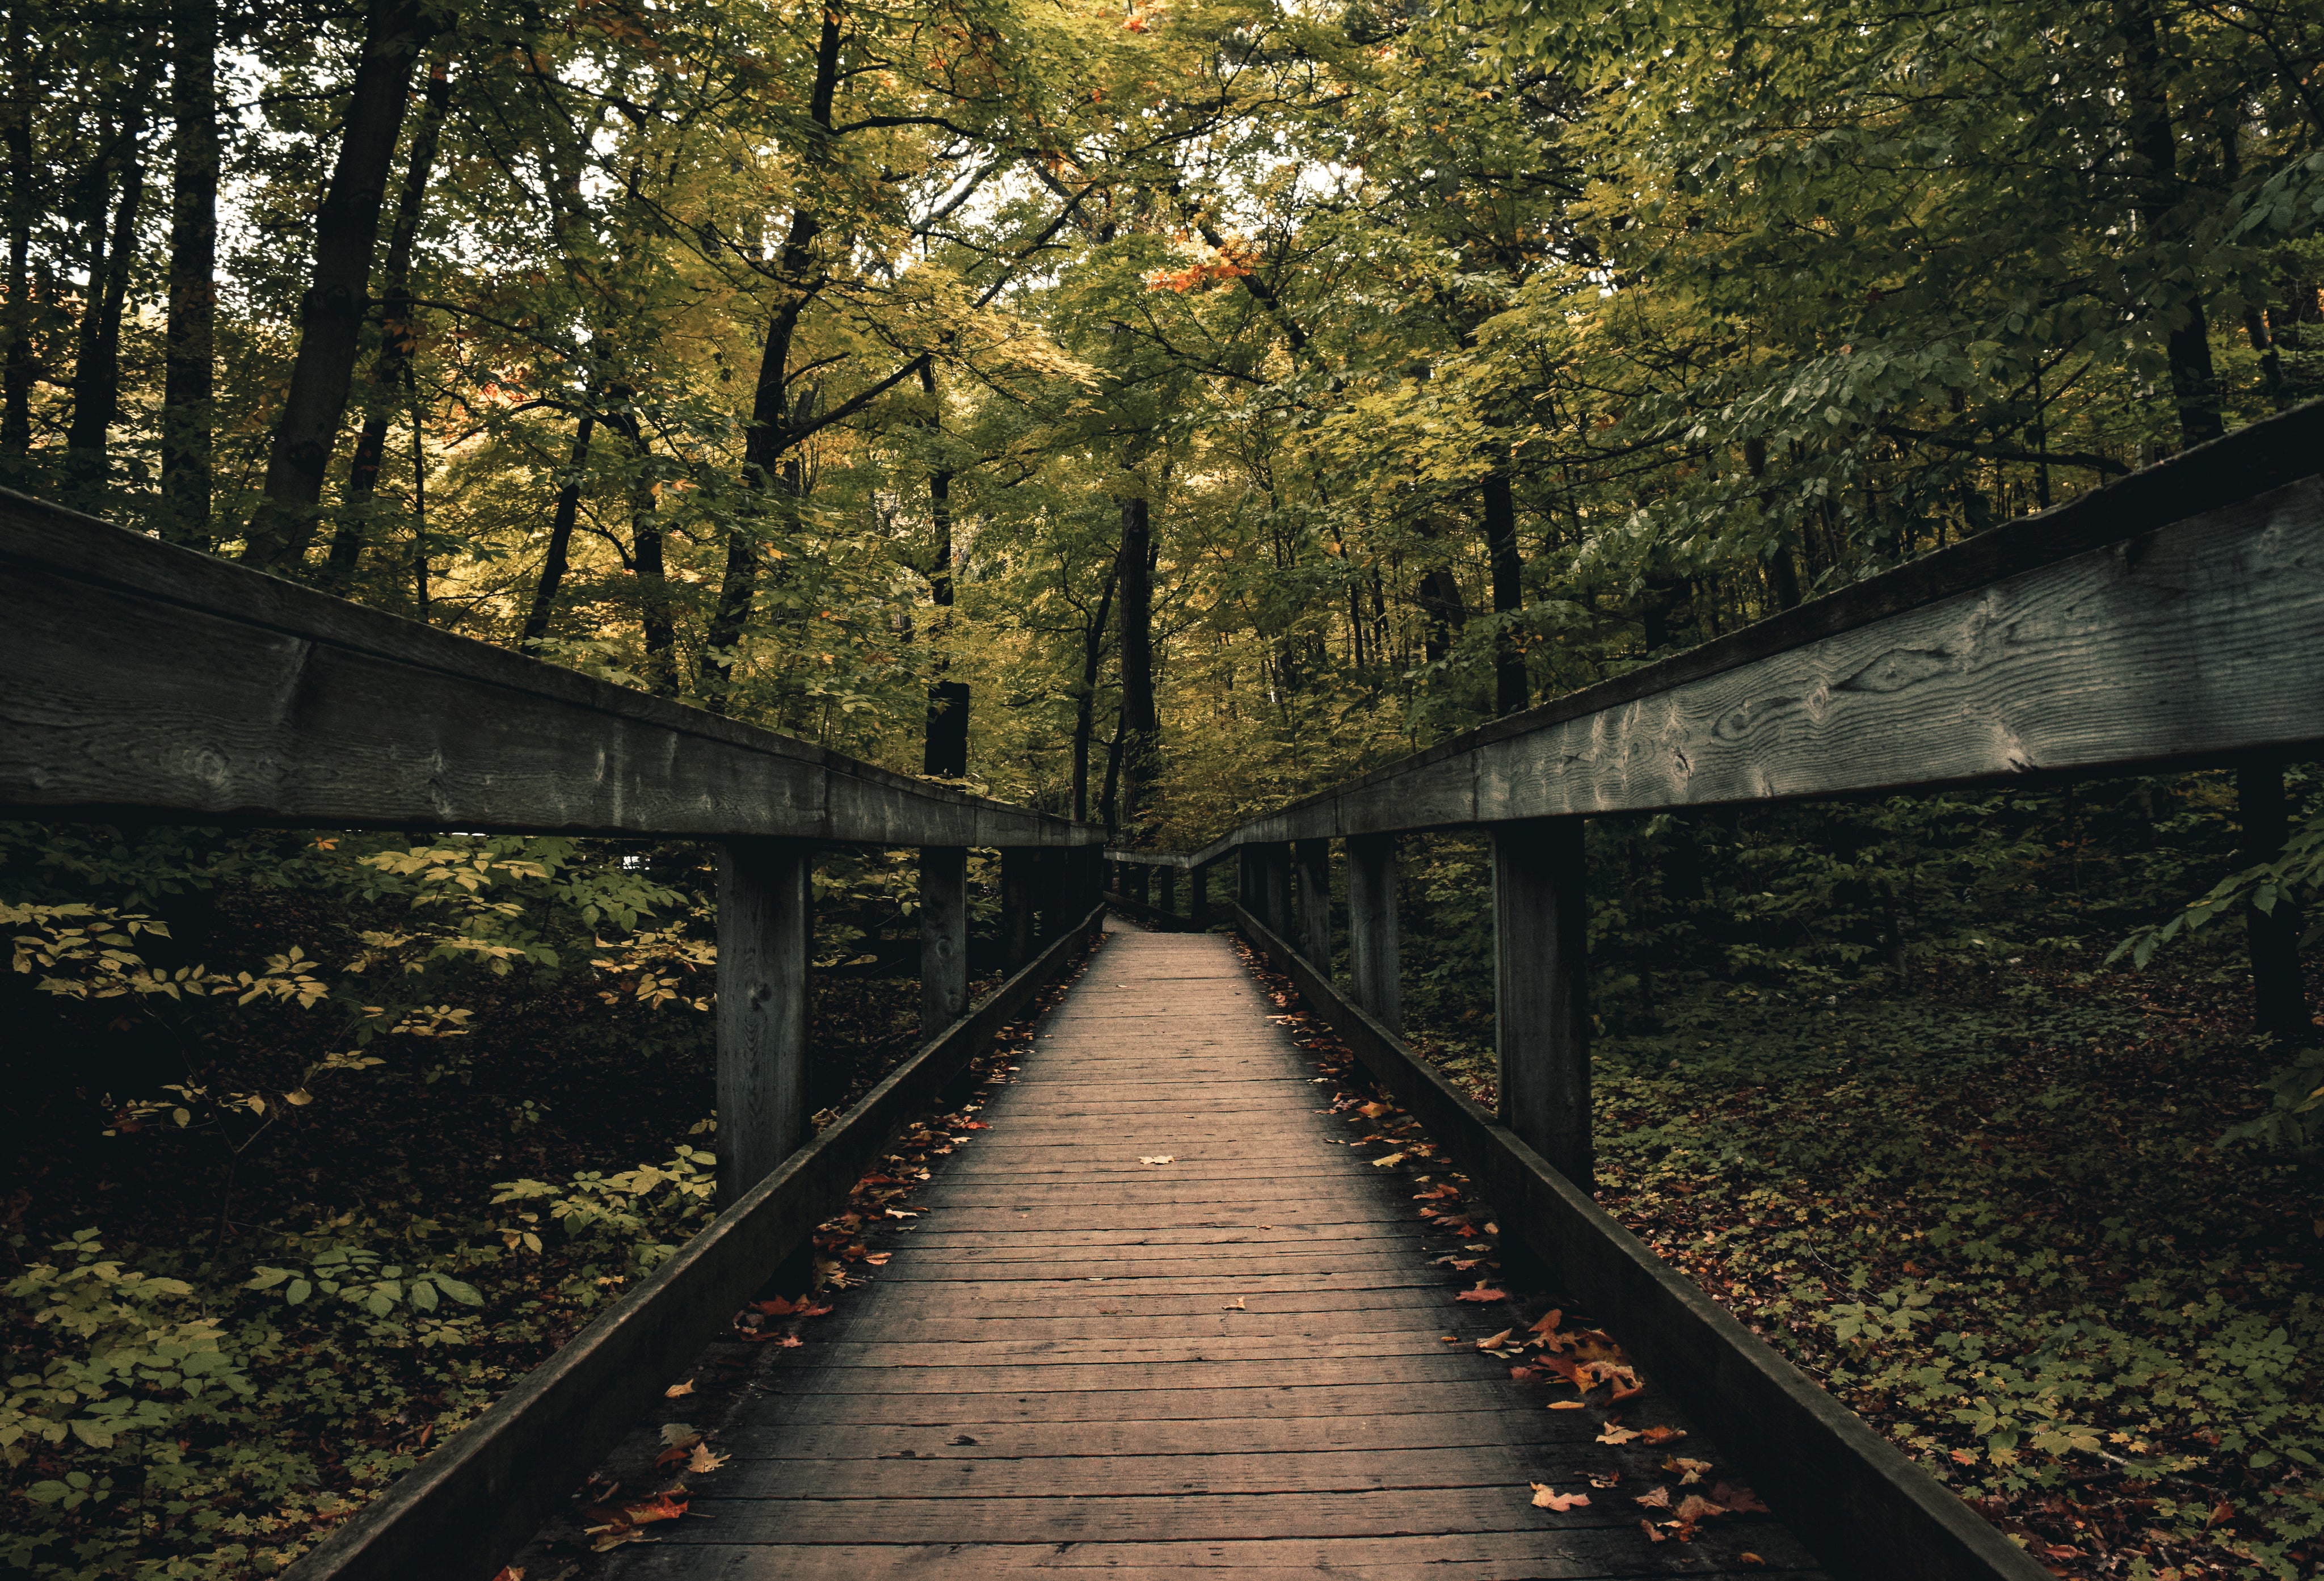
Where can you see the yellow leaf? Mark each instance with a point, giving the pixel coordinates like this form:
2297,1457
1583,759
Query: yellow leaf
1546,1497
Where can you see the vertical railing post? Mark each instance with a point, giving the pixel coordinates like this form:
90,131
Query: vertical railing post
943,937
1198,898
1018,904
1373,961
1166,890
765,932
1250,888
1312,933
1540,996
1274,893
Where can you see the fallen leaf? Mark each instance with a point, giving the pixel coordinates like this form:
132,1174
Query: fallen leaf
1652,1535
679,1435
704,1460
509,1573
1548,1322
1610,1479
1742,1501
1657,1499
1614,1435
1749,1560
1663,1435
1482,1294
877,1259
1382,1163
1566,1405
1494,1341
2222,1511
1690,1471
1159,1159
1546,1497
1697,1508
1236,1306
675,1390
616,1537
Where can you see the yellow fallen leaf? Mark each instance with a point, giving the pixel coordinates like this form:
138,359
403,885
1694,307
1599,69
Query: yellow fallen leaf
1159,1159
1546,1497
675,1390
1613,1435
1690,1471
1395,1158
1566,1405
1236,1306
1494,1341
704,1460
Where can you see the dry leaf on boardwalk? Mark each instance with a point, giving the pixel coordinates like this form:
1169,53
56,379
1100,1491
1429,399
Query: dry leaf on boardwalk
1494,1341
1566,1405
1695,1507
1739,1499
1482,1293
1383,1162
1236,1306
1689,1471
1657,1499
1663,1435
1159,1159
1614,1435
675,1390
704,1460
1546,1497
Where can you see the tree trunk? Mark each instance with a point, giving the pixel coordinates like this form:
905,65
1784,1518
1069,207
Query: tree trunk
560,535
776,424
1445,611
646,552
398,336
1085,704
331,313
945,748
1508,592
2279,991
24,202
1141,726
2146,93
188,338
96,373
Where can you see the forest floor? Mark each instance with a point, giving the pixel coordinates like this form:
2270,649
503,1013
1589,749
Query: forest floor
1993,1213
536,1168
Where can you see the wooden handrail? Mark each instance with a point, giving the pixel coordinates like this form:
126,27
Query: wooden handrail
142,680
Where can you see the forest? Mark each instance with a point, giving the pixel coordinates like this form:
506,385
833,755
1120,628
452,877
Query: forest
1151,413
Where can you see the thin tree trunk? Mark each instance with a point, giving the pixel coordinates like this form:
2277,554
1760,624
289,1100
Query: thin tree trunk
16,379
1142,726
945,746
1086,703
646,557
331,314
398,333
560,535
775,426
2145,93
188,339
1508,592
96,374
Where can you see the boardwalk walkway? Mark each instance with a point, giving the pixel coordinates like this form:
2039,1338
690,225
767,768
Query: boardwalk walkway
1234,1362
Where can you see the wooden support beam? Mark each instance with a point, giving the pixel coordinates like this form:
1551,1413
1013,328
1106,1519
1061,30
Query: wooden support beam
1373,954
1019,904
765,933
1165,889
943,937
1275,885
1314,860
1198,898
1540,990
146,681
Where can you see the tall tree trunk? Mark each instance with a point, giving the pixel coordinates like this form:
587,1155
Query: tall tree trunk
1085,702
1445,611
398,333
2146,93
1142,726
560,535
24,202
646,546
776,424
1783,568
188,338
2279,991
1509,591
96,374
331,313
943,750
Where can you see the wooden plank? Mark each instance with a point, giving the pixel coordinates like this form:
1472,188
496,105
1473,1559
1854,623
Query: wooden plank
943,937
473,1502
766,925
1566,1556
1848,1493
1312,858
142,679
1541,976
764,1438
1374,962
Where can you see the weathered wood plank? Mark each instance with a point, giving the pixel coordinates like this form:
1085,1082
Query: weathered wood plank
1541,975
766,925
141,678
477,1498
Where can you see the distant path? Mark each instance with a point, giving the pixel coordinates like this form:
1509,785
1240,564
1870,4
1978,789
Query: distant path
1053,1373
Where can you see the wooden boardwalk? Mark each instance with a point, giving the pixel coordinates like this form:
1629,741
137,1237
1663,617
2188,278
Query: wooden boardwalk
1234,1362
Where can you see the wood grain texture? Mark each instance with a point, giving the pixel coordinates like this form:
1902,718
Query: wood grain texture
138,678
766,928
1232,1361
474,1501
1864,1508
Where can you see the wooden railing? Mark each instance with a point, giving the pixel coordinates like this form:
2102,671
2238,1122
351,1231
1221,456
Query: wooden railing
2172,619
141,682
